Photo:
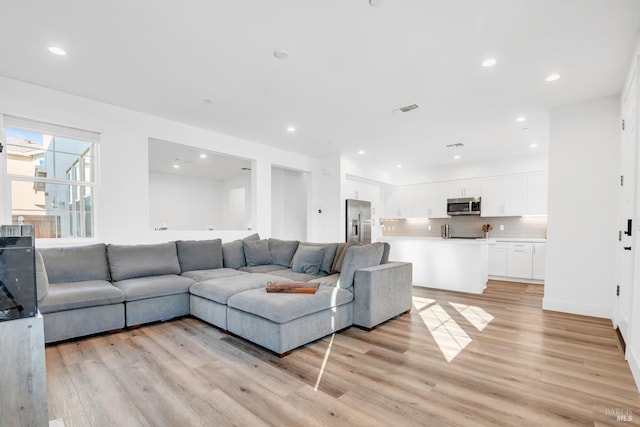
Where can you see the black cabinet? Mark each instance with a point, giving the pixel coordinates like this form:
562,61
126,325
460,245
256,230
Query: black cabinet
18,298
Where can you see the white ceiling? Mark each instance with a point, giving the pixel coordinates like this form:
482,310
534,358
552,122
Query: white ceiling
350,66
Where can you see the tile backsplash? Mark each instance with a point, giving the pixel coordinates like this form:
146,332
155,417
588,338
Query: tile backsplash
468,226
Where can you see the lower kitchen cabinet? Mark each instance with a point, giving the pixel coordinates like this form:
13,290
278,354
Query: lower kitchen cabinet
517,260
539,260
520,260
497,259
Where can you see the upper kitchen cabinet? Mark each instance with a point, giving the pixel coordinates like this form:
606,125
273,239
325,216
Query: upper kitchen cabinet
537,194
465,188
504,196
421,201
438,194
398,202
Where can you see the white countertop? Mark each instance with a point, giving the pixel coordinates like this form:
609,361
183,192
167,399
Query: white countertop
481,240
437,240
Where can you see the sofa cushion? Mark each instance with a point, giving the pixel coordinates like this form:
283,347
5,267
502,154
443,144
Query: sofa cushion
358,257
256,252
283,307
220,290
385,253
131,261
233,252
327,280
76,263
153,286
339,259
297,277
42,280
199,254
329,254
202,275
263,268
307,260
74,295
282,251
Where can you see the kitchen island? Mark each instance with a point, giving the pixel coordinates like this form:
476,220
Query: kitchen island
452,264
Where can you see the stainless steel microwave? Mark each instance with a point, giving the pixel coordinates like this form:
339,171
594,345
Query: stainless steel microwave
463,206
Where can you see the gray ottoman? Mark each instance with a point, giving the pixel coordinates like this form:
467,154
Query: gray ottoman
281,322
209,298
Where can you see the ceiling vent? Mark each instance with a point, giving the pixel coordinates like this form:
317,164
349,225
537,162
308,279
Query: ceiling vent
457,144
408,108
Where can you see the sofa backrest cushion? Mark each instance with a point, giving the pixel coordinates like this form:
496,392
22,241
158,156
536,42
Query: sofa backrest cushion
340,253
42,280
329,254
358,257
282,251
233,252
199,254
130,261
307,259
76,263
256,252
385,253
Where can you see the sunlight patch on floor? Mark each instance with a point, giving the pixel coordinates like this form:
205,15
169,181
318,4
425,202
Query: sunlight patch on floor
324,363
474,315
449,336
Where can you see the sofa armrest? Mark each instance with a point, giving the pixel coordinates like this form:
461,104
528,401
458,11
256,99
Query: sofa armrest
381,293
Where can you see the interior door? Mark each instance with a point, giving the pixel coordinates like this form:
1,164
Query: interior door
626,246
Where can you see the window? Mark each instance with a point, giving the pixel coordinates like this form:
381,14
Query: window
51,171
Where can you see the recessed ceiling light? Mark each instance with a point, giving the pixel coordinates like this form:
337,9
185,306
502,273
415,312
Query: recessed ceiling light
281,54
521,119
57,50
203,156
398,165
552,77
457,156
291,129
534,145
489,62
361,151
176,166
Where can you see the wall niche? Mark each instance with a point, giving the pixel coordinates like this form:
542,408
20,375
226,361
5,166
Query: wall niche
196,189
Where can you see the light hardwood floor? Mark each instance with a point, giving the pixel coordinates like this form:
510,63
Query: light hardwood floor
456,359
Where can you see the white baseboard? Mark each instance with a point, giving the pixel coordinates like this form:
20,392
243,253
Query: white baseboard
577,308
517,280
634,364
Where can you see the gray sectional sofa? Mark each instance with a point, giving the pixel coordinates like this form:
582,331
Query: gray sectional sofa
98,288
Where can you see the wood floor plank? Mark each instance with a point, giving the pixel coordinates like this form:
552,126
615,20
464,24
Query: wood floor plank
456,360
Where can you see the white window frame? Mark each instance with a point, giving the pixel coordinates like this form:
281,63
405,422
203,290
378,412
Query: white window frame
93,137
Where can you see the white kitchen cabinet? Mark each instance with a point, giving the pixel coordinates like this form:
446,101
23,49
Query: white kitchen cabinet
539,260
399,202
464,188
504,196
520,260
537,192
421,201
497,259
437,196
492,203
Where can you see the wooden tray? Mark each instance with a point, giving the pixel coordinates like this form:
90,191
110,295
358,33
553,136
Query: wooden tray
292,288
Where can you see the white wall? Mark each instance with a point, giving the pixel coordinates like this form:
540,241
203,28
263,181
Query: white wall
327,211
583,199
123,175
184,202
288,204
236,202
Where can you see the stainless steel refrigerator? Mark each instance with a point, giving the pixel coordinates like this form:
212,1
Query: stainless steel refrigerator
358,221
